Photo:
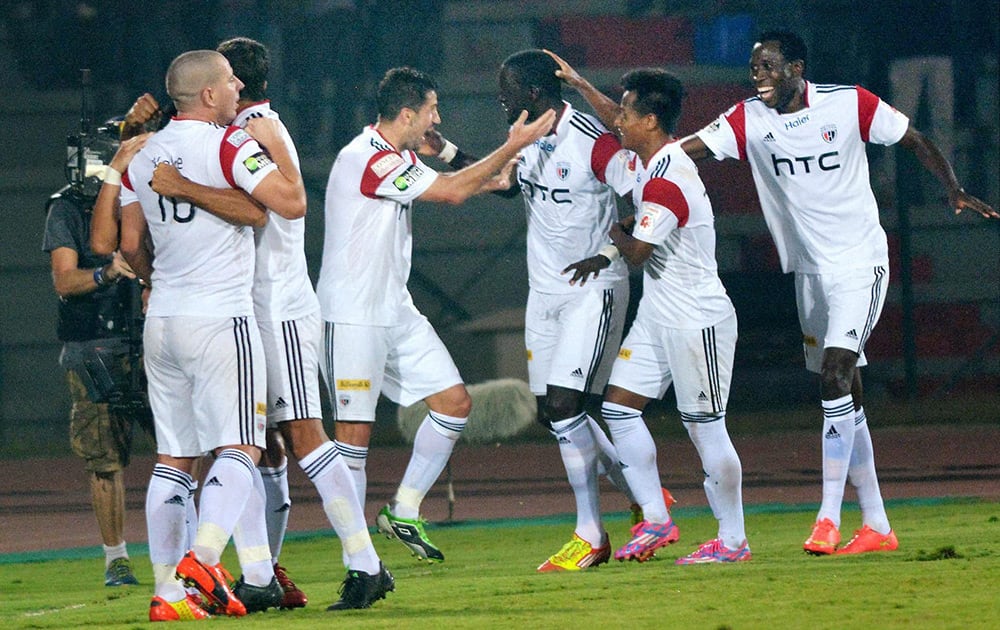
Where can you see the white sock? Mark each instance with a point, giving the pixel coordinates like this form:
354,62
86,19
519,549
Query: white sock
224,494
167,500
723,477
607,460
432,447
113,552
326,468
250,536
191,516
579,456
279,503
838,442
865,479
637,454
356,458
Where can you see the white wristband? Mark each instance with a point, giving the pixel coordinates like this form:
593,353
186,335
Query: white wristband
111,176
449,151
610,252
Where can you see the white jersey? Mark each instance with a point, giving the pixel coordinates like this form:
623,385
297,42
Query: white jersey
282,290
368,234
568,180
203,266
811,173
681,286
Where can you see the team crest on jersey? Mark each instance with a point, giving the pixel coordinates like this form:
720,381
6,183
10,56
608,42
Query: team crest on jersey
384,165
344,400
829,132
256,162
562,169
237,138
408,177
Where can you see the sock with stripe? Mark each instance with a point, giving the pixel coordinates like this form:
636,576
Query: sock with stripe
607,460
224,494
167,502
278,505
326,468
432,447
838,442
865,479
579,456
637,454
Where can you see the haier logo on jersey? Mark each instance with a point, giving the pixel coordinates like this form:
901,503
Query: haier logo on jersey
530,188
562,169
798,122
805,165
545,145
408,177
829,132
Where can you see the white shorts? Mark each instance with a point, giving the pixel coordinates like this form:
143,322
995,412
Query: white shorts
406,362
572,338
839,310
292,351
206,383
699,363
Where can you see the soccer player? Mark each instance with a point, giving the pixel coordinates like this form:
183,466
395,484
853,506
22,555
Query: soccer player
569,180
203,352
375,340
805,143
684,331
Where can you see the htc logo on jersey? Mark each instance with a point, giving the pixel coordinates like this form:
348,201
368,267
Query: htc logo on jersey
806,164
530,188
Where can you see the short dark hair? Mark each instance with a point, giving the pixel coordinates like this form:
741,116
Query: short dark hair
402,87
792,47
250,62
534,68
656,92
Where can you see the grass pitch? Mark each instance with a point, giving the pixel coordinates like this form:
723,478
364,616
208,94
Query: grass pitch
946,574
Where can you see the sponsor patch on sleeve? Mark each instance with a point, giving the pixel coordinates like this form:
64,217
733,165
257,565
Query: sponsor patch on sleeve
648,219
256,162
384,165
408,177
238,137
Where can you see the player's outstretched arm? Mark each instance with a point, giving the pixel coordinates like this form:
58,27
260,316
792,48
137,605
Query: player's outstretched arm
454,188
229,204
504,184
605,108
934,161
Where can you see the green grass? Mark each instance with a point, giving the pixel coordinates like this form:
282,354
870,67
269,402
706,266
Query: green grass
945,575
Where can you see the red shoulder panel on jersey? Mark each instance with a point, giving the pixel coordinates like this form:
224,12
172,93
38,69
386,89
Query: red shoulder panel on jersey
605,148
867,104
126,182
667,194
379,165
737,119
227,152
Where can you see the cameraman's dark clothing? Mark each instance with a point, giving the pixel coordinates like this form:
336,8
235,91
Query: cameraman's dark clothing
98,436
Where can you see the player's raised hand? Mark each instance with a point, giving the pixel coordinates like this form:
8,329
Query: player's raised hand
127,150
521,134
961,200
566,71
266,131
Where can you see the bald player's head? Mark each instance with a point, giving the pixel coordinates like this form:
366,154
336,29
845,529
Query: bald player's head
190,73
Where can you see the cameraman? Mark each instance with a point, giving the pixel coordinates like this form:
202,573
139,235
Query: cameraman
95,306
